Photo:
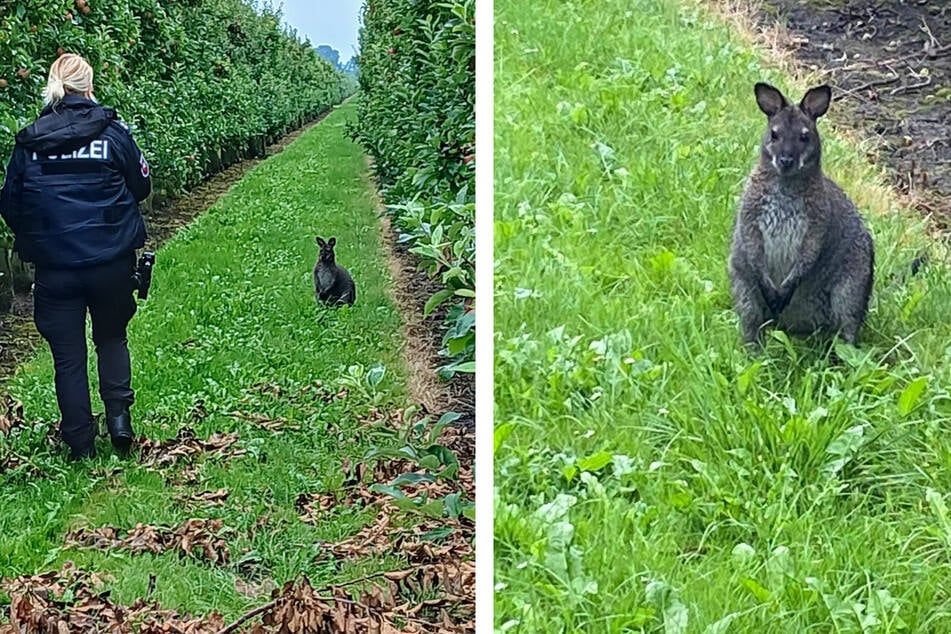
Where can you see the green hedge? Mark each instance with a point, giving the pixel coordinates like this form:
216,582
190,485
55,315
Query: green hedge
202,82
417,119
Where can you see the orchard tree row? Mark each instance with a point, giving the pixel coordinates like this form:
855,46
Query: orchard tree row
417,120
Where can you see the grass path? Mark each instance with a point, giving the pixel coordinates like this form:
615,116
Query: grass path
231,325
652,476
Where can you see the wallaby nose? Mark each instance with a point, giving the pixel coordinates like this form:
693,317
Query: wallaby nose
786,162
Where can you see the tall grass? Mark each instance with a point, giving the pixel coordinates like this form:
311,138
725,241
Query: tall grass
652,475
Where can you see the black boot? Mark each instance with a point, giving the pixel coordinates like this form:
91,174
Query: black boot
120,431
82,452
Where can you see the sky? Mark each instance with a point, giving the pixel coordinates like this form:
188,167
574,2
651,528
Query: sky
333,22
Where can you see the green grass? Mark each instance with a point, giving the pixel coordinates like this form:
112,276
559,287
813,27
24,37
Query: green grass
231,305
650,474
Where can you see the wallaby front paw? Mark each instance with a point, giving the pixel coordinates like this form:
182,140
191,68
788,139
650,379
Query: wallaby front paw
776,299
783,295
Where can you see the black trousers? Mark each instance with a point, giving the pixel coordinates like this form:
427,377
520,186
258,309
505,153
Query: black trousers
60,301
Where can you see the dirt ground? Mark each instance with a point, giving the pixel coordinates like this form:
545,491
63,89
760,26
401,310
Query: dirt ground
18,336
890,67
423,336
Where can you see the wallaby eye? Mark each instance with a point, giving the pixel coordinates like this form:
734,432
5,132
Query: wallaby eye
773,135
804,137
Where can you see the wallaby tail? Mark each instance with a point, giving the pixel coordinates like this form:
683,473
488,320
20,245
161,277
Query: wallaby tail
905,274
920,262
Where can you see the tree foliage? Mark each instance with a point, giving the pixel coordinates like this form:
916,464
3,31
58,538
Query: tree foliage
417,120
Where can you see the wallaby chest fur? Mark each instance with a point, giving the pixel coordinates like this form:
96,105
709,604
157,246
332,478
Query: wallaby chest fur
783,223
324,276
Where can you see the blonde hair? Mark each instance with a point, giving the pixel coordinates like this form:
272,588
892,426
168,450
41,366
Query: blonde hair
69,74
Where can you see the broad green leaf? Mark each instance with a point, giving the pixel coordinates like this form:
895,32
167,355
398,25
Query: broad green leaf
437,298
437,534
443,456
596,461
569,471
412,478
940,510
721,626
388,490
429,462
501,434
452,505
850,355
375,375
666,599
746,377
783,338
756,589
911,395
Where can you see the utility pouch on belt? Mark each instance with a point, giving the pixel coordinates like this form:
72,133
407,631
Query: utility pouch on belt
143,274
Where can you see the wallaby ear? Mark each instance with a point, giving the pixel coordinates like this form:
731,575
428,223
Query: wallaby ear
815,103
320,242
332,242
769,99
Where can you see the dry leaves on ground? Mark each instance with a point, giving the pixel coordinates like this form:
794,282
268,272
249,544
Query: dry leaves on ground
189,475
439,550
268,389
299,608
362,476
261,421
185,446
316,391
461,442
431,540
204,498
11,415
72,600
393,419
200,538
12,420
255,590
14,462
326,393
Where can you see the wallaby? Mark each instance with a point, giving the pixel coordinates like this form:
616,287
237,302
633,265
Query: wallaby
801,256
332,283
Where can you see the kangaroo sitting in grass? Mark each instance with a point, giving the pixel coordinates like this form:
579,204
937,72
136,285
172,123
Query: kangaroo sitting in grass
802,257
332,283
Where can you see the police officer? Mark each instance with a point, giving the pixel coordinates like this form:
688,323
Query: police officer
70,196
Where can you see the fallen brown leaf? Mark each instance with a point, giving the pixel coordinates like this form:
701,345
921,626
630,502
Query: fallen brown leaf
265,422
254,590
205,498
11,415
200,538
186,446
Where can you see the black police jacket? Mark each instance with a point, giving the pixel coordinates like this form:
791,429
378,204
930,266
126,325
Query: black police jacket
73,185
